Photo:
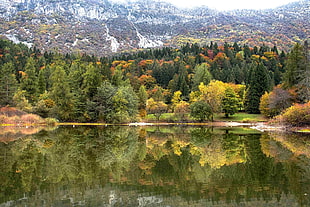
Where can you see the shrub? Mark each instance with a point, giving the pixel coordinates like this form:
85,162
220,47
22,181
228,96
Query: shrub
2,119
51,121
13,120
296,115
273,103
246,120
11,111
31,119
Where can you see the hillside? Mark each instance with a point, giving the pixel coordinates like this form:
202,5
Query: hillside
101,27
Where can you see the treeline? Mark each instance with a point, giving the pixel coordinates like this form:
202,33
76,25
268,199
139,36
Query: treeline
201,80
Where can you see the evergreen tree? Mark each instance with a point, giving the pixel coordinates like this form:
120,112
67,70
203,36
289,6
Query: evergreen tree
29,81
239,75
75,77
304,84
91,81
259,84
295,65
8,84
21,102
101,107
125,105
61,95
142,95
202,75
41,82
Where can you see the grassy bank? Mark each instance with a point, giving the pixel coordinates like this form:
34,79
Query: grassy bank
239,117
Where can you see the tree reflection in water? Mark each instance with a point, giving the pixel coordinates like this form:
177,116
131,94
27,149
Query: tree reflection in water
155,166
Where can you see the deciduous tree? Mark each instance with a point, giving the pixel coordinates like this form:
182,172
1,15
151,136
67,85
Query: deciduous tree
201,111
156,107
230,102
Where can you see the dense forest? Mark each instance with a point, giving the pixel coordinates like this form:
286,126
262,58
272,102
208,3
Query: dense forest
193,79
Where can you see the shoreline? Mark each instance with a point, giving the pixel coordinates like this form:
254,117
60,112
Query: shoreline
260,126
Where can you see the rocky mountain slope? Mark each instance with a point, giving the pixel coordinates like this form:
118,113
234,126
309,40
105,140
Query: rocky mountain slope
102,27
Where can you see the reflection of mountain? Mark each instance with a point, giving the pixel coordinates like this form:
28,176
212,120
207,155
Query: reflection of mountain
128,166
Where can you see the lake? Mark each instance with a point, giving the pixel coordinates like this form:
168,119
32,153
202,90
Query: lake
153,166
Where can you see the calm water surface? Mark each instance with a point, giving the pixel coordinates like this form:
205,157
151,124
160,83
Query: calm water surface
153,166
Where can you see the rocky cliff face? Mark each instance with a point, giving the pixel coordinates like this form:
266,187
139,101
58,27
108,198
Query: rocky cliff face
102,27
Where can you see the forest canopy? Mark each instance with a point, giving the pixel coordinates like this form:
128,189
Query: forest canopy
216,78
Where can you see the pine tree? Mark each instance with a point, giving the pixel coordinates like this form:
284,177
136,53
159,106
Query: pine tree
304,83
259,84
202,75
8,84
29,81
61,95
41,82
91,81
295,65
142,95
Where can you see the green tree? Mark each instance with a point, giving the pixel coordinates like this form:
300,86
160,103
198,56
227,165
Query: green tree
201,111
158,93
76,74
259,84
118,78
61,95
230,102
295,65
202,75
8,84
142,95
101,107
41,82
125,105
91,81
29,81
304,84
21,102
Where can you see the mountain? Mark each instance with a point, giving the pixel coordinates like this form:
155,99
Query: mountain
102,27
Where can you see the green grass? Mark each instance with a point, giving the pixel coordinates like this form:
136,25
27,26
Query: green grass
239,117
164,117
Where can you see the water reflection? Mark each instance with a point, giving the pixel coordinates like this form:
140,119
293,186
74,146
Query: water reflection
155,166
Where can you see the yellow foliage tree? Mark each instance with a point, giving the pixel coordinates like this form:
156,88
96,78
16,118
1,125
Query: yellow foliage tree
176,99
213,94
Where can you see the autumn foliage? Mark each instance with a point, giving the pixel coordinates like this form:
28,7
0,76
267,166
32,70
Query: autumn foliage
296,115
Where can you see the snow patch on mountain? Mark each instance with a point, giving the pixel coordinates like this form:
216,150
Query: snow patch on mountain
14,39
77,40
146,43
114,43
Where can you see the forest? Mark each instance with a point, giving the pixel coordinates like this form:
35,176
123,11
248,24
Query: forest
194,82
